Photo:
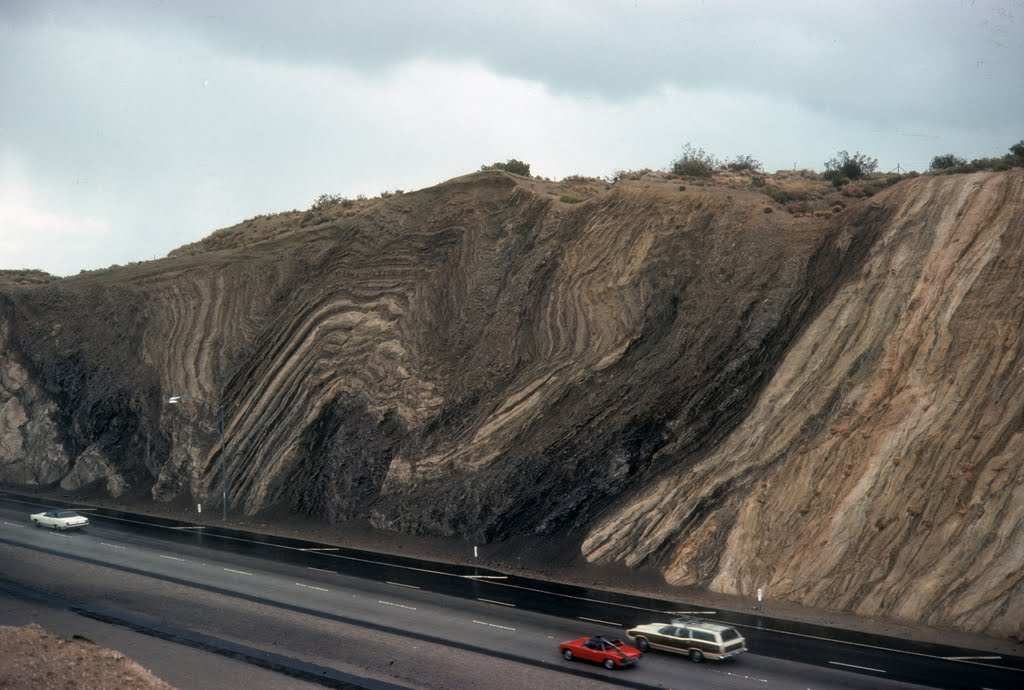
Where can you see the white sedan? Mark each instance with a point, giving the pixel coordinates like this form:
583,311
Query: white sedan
60,518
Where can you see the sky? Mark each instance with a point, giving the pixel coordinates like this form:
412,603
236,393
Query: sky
130,128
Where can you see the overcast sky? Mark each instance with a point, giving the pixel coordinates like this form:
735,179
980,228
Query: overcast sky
130,128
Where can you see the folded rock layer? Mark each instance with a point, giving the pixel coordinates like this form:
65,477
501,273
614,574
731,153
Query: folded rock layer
829,408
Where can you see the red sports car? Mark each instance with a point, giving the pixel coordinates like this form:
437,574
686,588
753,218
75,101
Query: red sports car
611,653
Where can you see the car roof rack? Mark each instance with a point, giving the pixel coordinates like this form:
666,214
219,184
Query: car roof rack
683,620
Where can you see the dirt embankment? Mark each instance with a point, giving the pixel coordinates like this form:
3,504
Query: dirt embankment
34,659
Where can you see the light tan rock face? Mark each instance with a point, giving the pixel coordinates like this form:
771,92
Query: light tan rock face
881,468
826,408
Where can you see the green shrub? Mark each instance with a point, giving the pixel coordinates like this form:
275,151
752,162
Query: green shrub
744,162
325,200
1018,149
568,199
516,167
946,160
695,163
851,167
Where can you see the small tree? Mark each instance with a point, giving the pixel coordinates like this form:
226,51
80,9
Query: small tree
516,167
845,166
744,162
695,163
1018,149
946,160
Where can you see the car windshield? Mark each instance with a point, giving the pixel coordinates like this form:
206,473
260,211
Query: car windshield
67,513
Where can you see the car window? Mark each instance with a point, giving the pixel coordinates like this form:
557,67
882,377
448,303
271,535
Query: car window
703,635
67,513
667,630
730,634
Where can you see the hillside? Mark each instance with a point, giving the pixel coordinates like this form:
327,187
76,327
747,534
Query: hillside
683,377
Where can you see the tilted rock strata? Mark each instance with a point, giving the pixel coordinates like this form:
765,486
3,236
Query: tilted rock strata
824,407
880,470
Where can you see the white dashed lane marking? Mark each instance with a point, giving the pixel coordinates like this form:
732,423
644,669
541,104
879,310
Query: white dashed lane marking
495,625
319,589
401,606
240,572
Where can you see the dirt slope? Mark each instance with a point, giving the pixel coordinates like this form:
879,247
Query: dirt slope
37,660
829,407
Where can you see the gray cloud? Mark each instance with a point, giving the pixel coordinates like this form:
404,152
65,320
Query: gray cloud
956,63
163,121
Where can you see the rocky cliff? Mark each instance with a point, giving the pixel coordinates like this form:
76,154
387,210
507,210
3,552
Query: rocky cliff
682,378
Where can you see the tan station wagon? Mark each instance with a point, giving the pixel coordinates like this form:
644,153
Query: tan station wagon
697,638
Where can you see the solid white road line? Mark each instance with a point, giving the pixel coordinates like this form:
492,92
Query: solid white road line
972,658
870,646
495,625
240,572
399,584
499,603
401,606
598,620
862,668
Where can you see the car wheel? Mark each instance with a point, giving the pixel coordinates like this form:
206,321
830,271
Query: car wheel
567,654
36,523
609,664
642,644
696,656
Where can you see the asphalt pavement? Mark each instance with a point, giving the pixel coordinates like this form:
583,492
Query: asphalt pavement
450,610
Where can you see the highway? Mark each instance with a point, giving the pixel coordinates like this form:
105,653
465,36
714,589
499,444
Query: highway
342,618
